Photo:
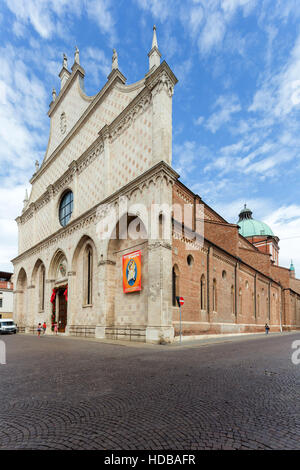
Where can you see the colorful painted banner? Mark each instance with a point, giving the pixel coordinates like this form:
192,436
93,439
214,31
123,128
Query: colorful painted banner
132,271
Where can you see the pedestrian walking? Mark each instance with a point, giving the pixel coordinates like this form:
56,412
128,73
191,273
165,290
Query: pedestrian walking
267,328
39,329
55,328
44,327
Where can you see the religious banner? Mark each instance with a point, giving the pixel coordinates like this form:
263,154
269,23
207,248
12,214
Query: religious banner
132,270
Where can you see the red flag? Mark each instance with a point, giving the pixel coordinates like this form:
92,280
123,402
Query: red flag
66,294
53,296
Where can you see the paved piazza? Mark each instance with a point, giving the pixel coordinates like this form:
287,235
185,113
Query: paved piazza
68,393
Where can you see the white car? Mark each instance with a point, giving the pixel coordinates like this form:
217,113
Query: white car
7,326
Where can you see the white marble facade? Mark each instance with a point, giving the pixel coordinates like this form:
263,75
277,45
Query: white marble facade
116,143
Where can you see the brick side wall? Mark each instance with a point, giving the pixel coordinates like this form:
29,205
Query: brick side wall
258,260
239,296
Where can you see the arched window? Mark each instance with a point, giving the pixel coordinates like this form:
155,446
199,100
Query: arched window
42,281
232,300
202,293
175,285
190,260
66,208
214,299
240,302
88,275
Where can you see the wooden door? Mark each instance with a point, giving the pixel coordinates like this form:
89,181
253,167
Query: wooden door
62,311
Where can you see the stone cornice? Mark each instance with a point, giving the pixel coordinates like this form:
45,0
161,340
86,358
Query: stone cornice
107,261
116,74
129,114
156,76
225,259
154,49
247,270
159,244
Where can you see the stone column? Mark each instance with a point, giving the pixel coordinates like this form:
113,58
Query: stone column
159,327
105,301
20,243
162,120
72,300
237,291
30,320
49,283
107,178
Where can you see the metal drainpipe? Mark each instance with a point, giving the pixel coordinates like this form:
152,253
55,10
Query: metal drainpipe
208,252
255,296
235,292
281,291
269,294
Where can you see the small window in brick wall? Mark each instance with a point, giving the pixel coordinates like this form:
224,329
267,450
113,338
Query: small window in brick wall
224,274
190,260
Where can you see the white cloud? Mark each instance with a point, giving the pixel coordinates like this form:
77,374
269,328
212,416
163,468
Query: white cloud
279,94
13,197
185,157
199,121
231,6
99,11
51,18
160,9
22,120
182,70
285,223
23,133
210,190
96,62
212,33
225,107
236,148
38,13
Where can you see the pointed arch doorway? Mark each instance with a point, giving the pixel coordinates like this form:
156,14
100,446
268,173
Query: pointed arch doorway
58,272
62,310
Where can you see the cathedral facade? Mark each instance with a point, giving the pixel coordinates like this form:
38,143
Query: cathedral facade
109,237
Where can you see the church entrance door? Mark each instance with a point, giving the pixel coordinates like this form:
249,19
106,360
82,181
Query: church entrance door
62,310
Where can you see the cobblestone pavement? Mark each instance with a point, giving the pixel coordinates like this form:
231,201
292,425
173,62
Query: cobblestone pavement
67,393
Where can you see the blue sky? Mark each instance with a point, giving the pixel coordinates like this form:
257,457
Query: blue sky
236,107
